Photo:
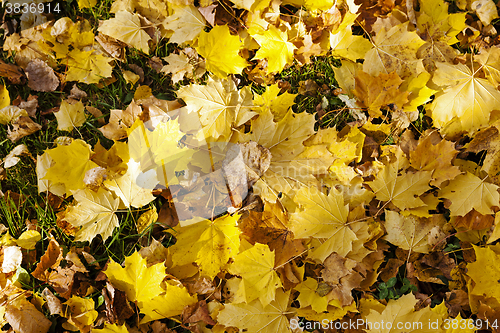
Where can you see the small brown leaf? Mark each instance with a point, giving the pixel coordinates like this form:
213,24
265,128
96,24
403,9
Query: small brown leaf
12,72
77,93
51,258
41,77
117,306
30,105
53,303
197,312
22,127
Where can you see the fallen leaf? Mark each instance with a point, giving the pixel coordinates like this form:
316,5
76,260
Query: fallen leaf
41,77
94,214
22,127
220,50
126,27
275,47
70,116
468,192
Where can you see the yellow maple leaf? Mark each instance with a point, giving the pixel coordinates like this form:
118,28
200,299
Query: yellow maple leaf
134,187
186,23
309,295
394,50
468,192
259,279
219,104
400,189
170,303
127,28
220,50
485,272
87,66
215,242
70,116
140,282
466,101
282,138
346,45
70,174
275,47
410,233
398,313
159,152
273,101
94,214
312,5
378,91
439,28
254,316
323,216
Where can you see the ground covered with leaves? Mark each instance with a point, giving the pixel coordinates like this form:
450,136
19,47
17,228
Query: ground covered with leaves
250,166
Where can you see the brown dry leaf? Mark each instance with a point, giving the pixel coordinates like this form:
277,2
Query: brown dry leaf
154,253
137,70
486,10
267,228
197,312
77,93
436,155
117,306
24,317
155,64
379,91
488,139
53,303
167,215
473,221
41,77
12,72
307,50
120,120
50,259
30,105
391,269
112,46
22,127
340,273
13,157
96,113
423,272
178,66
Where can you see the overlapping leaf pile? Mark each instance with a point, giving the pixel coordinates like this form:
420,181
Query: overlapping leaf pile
274,222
